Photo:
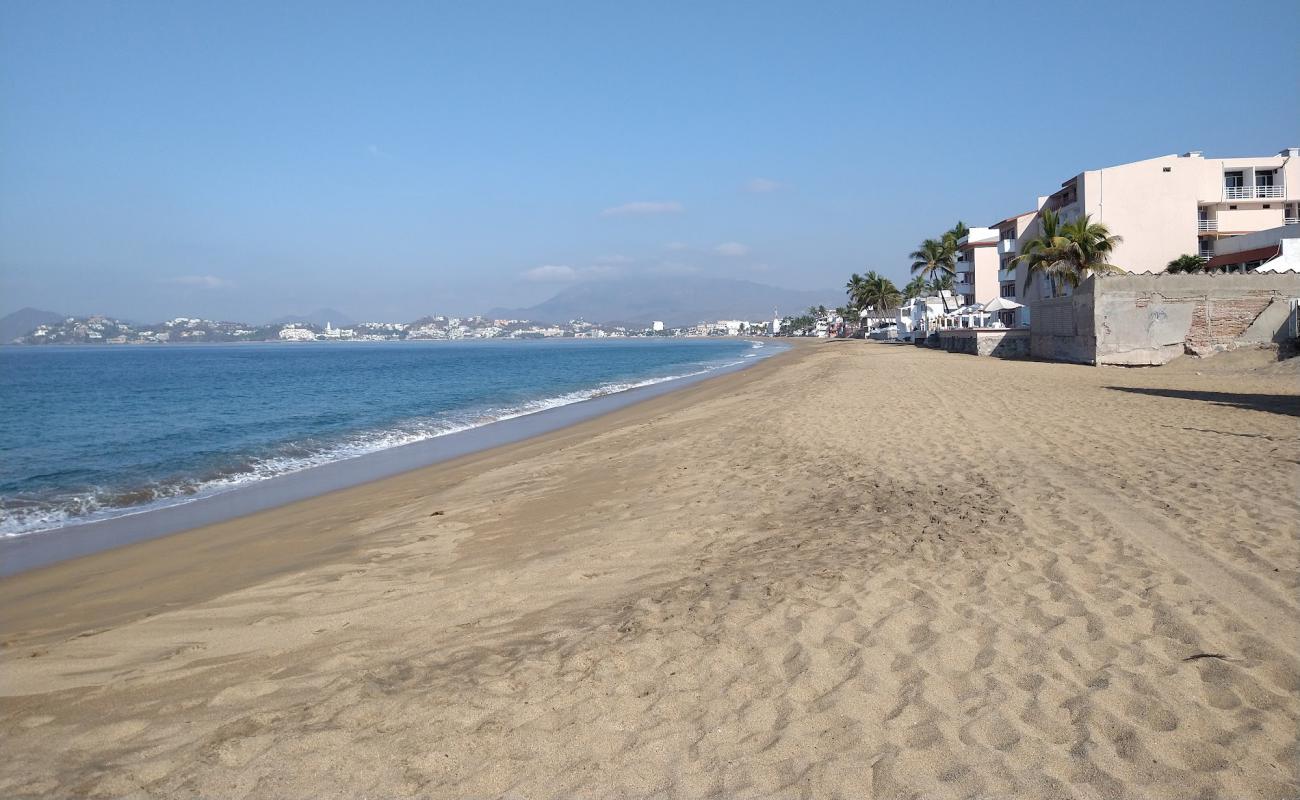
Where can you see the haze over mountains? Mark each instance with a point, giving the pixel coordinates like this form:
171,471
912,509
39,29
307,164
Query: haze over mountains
681,300
631,301
24,321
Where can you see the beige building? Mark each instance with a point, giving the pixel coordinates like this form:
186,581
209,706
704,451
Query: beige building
977,266
1174,205
984,264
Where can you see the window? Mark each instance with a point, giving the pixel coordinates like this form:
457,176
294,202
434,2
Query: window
1009,289
1264,178
1009,234
1169,169
1234,180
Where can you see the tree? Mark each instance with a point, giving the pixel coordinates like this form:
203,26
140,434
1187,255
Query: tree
941,284
936,259
1090,247
802,322
955,233
916,287
1066,253
880,293
1186,263
854,288
932,259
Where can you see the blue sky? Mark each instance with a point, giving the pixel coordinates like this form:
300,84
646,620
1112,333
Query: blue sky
246,160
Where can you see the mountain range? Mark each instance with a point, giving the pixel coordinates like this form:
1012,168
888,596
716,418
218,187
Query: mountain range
676,301
631,301
24,321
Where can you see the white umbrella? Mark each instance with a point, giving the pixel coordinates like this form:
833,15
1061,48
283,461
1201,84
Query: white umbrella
1001,304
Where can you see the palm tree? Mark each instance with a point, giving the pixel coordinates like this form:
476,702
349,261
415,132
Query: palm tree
955,233
1186,263
854,287
1090,247
915,288
941,284
933,259
1044,253
880,293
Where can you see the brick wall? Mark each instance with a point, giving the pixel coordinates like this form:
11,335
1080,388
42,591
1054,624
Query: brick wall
1217,324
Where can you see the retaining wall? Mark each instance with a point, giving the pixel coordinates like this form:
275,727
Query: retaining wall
983,342
1152,319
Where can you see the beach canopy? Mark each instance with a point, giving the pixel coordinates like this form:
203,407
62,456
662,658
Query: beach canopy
1001,304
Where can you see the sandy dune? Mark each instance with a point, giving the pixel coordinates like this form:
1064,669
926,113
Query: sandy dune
857,570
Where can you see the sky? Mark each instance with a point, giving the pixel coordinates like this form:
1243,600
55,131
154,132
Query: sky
248,160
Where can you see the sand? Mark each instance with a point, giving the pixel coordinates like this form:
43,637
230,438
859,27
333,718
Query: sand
855,570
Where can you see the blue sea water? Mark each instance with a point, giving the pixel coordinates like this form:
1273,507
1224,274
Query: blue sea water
88,433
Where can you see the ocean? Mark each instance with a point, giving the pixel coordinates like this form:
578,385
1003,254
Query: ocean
91,433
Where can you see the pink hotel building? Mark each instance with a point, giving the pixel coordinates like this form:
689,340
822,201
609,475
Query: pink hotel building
1163,208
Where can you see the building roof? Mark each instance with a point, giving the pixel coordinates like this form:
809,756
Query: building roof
1012,218
1258,254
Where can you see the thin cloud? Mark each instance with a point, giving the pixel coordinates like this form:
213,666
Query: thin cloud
551,273
761,185
673,268
200,282
676,246
643,208
731,249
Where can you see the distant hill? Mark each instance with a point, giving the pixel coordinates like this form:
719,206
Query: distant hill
318,318
677,300
24,321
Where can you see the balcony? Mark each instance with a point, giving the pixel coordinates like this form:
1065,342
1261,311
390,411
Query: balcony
1006,275
1291,221
1207,225
1253,192
1006,246
965,266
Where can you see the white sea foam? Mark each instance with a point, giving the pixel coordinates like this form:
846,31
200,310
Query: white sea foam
102,503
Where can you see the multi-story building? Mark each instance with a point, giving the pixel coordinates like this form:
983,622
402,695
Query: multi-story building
1178,204
977,266
985,268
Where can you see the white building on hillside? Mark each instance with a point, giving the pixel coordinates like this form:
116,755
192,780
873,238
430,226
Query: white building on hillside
296,334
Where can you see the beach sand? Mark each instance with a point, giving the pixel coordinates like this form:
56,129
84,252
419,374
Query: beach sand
854,570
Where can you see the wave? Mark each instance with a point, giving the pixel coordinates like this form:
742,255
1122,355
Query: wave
22,516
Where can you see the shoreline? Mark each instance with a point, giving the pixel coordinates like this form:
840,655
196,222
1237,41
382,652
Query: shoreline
209,555
32,550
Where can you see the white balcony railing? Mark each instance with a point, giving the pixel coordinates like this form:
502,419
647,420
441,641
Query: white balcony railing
1207,224
1291,221
1006,246
1253,192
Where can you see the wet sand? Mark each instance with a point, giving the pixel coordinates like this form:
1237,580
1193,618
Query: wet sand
853,570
